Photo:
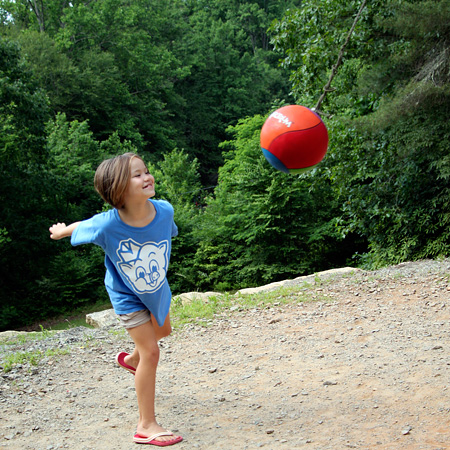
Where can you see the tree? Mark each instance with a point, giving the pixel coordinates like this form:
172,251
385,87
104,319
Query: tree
263,225
161,75
310,37
24,183
74,276
408,197
108,62
177,180
390,166
43,16
232,73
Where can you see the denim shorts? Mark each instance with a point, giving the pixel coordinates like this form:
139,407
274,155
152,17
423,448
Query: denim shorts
134,319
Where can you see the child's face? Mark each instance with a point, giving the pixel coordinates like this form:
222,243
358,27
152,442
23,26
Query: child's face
141,184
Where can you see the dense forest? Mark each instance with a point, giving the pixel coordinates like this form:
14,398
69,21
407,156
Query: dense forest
188,84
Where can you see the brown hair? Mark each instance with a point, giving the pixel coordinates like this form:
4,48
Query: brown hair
112,177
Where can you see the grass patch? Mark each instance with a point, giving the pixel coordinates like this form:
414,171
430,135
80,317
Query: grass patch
202,312
12,353
198,310
25,337
33,358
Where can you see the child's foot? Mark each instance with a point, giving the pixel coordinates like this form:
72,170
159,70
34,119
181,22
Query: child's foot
153,434
162,439
120,359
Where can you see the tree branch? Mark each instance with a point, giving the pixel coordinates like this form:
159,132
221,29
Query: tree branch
39,13
334,69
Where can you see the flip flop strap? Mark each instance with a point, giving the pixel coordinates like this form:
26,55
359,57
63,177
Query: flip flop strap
157,435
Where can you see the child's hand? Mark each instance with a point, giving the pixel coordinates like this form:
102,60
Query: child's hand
57,231
60,230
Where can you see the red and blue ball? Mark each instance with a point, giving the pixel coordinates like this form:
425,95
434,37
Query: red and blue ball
294,139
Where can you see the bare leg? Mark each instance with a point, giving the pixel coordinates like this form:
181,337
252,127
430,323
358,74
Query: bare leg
160,332
145,338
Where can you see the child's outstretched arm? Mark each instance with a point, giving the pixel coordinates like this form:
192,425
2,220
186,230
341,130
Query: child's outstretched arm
61,230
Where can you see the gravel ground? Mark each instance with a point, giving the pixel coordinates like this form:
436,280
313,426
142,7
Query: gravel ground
366,365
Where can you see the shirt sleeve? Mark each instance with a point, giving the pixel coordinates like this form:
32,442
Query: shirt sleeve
88,231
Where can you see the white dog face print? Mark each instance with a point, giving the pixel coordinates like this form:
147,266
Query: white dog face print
144,265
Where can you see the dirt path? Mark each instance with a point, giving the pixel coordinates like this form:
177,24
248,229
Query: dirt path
366,367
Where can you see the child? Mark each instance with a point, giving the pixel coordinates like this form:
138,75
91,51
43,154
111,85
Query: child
136,237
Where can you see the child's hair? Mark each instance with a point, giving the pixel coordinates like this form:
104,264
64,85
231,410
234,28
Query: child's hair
112,177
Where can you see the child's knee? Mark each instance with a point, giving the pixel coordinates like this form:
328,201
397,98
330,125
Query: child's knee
151,354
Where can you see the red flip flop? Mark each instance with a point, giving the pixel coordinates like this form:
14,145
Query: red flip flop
120,359
151,440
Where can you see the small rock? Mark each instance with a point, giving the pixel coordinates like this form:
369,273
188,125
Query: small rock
102,318
272,321
406,430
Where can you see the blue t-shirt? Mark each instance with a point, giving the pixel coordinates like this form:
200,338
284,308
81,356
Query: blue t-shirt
136,258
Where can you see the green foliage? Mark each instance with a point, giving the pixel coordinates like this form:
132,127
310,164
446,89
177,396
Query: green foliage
71,145
161,75
24,181
4,239
388,166
262,225
177,180
310,38
232,73
81,81
99,78
398,198
422,59
107,62
126,66
75,276
23,109
30,357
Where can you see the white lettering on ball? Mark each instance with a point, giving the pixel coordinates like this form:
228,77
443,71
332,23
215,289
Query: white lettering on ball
281,118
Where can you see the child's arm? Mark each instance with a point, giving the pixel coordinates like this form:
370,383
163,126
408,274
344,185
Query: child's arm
60,230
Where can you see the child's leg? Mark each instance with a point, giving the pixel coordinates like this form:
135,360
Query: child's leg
160,332
145,338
